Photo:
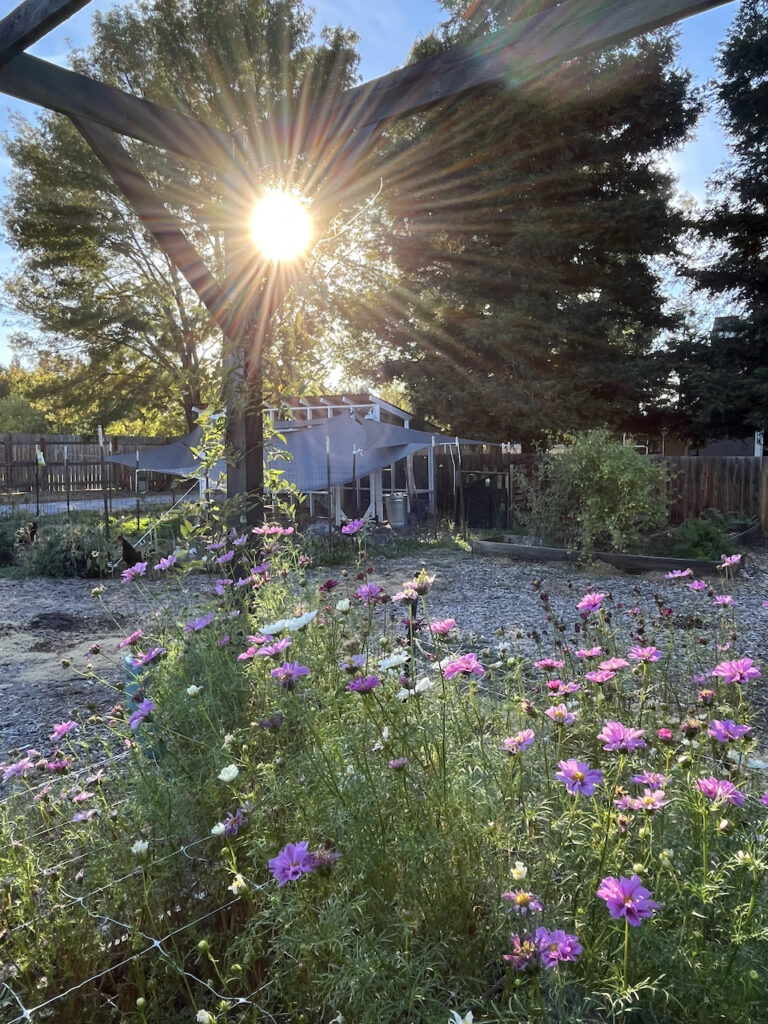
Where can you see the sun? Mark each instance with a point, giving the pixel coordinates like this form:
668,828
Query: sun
281,226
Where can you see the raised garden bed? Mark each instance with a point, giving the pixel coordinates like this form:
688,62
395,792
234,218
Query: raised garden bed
509,546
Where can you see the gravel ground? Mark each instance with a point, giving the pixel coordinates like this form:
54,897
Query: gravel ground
44,621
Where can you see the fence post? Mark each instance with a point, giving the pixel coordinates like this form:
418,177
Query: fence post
763,508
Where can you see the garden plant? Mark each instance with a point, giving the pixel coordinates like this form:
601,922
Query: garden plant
315,803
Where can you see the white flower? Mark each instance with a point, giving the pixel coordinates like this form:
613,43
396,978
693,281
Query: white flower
393,661
192,691
343,605
379,744
218,829
229,773
238,884
229,739
519,871
403,694
424,684
456,1019
140,847
203,1017
289,625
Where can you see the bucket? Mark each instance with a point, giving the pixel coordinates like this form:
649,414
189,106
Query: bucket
396,508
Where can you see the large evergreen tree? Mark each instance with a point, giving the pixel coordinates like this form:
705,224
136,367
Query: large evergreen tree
525,224
88,275
723,374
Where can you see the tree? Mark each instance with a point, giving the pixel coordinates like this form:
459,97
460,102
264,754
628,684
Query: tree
724,375
17,414
525,224
89,276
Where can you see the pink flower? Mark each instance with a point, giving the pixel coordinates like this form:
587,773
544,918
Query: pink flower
728,560
644,654
738,671
697,585
133,571
466,665
590,603
61,730
721,791
678,574
549,663
352,527
655,779
519,742
764,799
723,601
591,652
613,664
561,715
665,735
442,626
626,897
727,731
166,563
578,777
707,697
600,677
134,638
651,800
621,737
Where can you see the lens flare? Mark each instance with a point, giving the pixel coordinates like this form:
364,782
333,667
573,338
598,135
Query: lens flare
281,226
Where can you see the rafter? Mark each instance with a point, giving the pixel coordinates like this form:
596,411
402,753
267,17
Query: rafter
32,20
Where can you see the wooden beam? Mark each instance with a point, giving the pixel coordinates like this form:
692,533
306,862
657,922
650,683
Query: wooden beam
37,81
30,21
512,55
154,215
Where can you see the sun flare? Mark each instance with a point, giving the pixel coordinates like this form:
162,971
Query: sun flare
281,226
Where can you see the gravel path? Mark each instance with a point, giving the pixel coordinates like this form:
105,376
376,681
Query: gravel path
44,621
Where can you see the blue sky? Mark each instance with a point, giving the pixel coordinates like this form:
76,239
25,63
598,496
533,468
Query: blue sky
387,30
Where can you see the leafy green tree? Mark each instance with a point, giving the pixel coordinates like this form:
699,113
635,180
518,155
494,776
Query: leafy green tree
723,375
525,224
88,274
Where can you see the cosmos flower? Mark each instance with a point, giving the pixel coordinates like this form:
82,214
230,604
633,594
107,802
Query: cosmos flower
561,715
466,664
519,742
741,670
590,603
352,527
293,861
621,737
644,654
626,897
727,730
579,778
720,791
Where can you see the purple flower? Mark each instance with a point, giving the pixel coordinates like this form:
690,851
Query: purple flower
134,638
293,861
556,947
61,730
397,763
466,664
590,603
548,663
133,571
738,671
238,540
561,715
729,560
85,815
626,897
235,822
370,593
621,737
764,799
142,712
522,903
578,777
166,563
216,545
524,953
697,585
651,800
226,557
644,653
678,574
288,673
144,659
519,742
197,624
18,768
557,688
720,791
727,730
613,664
655,779
352,527
723,601
274,650
364,684
353,663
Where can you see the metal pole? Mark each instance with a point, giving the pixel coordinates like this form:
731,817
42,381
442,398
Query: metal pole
37,480
136,483
103,488
66,478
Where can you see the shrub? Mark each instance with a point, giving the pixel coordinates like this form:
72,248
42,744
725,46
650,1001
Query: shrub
62,551
595,493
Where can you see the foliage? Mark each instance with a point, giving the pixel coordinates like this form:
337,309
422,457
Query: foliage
67,551
89,275
427,815
723,378
594,494
524,225
707,537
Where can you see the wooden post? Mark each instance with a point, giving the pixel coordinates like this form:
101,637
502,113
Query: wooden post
763,510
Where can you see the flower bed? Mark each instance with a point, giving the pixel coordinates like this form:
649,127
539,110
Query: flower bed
330,807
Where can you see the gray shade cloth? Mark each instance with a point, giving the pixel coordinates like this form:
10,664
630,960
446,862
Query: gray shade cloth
305,452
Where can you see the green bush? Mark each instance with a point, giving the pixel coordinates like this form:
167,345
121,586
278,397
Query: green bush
707,537
69,551
594,494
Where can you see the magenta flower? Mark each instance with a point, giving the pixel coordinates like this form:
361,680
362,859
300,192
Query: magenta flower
548,663
293,861
644,654
274,650
524,953
697,585
738,671
561,715
522,903
398,763
85,815
727,730
352,527
621,737
370,593
720,791
665,735
328,586
519,742
142,713
764,799
557,688
626,897
288,673
197,624
364,684
589,652
133,571
579,778
166,563
17,769
678,574
466,665
728,560
614,664
651,800
62,729
723,601
134,638
590,603
556,947
655,779
601,677
442,626
145,659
